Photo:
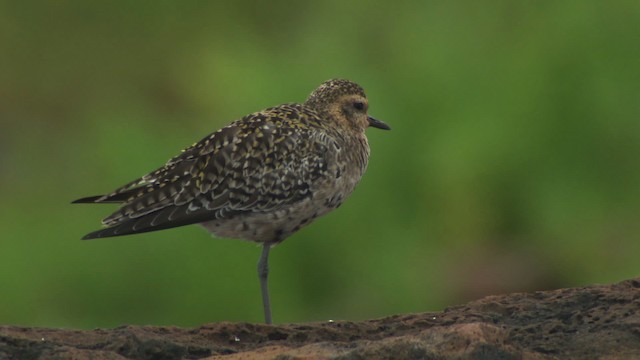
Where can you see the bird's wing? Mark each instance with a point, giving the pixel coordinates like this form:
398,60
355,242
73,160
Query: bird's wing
260,163
176,166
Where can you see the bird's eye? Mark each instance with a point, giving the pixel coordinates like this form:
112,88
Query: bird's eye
358,105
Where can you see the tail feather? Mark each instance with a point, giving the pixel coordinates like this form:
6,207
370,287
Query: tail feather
87,200
104,199
166,218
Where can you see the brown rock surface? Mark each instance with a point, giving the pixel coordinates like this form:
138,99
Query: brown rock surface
596,322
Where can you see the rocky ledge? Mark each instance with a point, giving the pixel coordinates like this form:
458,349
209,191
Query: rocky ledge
595,322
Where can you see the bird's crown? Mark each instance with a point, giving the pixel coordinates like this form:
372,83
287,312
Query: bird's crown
331,90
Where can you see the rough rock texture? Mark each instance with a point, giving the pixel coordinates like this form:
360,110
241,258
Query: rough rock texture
597,322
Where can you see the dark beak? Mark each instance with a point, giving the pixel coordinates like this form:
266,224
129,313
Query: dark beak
378,124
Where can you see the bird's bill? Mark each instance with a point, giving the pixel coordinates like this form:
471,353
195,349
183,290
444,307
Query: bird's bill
378,124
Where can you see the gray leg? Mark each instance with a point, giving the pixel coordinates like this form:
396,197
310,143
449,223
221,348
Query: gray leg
263,273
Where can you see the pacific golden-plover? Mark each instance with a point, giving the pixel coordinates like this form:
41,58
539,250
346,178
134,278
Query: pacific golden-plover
261,178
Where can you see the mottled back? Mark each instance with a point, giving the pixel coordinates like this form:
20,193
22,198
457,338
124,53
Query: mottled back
260,178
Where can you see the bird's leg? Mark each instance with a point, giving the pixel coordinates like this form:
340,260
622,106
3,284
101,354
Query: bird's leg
263,273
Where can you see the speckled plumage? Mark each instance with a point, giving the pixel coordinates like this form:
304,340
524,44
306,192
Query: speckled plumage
261,178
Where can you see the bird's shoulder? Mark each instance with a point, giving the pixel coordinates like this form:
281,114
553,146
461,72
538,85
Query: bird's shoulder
271,124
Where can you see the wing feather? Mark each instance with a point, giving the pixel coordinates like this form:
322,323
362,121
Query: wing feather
259,163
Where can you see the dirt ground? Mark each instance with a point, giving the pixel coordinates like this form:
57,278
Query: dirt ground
597,322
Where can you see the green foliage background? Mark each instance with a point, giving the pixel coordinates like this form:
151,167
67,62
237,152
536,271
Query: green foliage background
513,163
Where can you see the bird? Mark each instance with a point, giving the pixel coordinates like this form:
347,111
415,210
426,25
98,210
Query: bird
261,178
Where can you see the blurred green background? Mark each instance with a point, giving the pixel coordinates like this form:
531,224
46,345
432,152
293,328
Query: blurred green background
513,163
